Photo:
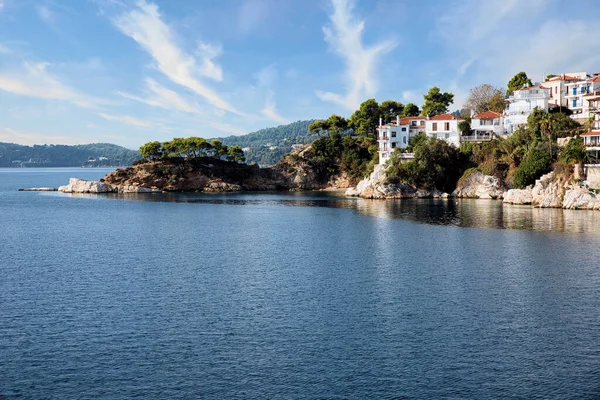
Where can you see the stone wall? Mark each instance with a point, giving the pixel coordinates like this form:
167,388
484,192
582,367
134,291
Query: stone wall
593,176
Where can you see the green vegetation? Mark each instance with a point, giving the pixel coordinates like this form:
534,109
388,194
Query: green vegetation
268,145
192,147
517,82
436,102
437,165
87,155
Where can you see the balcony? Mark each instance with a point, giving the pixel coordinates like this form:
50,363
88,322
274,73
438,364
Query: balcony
525,96
384,137
478,137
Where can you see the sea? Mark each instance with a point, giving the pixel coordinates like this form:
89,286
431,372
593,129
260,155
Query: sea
307,295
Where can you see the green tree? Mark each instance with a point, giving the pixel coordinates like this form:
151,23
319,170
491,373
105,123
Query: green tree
517,82
319,126
390,109
575,152
365,120
235,153
464,128
436,102
535,163
336,124
550,76
411,110
151,150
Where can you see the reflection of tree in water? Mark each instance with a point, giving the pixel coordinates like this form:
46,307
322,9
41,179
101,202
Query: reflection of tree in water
468,213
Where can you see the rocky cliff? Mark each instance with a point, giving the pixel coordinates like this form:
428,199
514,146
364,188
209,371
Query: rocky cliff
377,187
296,171
475,185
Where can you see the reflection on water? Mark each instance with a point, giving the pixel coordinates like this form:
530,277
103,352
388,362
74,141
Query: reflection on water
457,212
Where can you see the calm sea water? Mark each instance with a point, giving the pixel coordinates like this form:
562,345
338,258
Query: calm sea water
292,296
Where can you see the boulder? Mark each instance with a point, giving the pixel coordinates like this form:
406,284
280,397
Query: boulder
518,196
580,199
547,192
479,186
82,186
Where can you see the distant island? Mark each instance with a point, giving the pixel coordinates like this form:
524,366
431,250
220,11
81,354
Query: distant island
49,155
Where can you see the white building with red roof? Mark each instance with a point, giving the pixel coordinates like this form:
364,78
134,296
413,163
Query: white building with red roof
396,134
485,126
445,127
558,87
522,103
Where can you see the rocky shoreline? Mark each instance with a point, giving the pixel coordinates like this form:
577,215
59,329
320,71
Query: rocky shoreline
548,191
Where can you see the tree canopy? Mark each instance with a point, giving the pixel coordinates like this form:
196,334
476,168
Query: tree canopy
411,110
517,82
192,147
485,98
390,109
365,120
436,102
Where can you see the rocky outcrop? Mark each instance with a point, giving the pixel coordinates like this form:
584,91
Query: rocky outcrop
546,193
476,185
580,199
518,196
377,187
82,186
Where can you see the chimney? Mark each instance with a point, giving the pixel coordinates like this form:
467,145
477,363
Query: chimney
380,120
398,120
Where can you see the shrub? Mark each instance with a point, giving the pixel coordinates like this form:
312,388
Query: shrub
535,164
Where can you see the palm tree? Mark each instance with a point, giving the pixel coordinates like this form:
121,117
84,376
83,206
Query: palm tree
575,152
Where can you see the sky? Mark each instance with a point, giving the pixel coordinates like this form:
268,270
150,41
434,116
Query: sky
132,71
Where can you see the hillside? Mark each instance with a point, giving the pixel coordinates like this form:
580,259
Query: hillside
87,155
268,145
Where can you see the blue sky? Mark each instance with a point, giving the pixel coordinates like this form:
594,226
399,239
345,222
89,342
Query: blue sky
128,72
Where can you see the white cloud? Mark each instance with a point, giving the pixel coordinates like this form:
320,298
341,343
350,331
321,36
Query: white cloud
208,67
3,48
1,4
28,138
160,96
344,36
127,119
144,25
35,81
45,14
270,112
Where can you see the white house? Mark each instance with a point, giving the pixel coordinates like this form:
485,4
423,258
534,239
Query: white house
391,136
444,126
578,96
485,126
522,103
396,134
558,87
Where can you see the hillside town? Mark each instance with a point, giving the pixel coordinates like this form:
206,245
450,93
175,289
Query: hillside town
576,93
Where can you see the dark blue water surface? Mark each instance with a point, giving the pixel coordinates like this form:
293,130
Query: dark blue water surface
292,296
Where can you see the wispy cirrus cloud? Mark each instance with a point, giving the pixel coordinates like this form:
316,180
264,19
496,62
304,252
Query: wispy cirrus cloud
34,80
344,36
160,96
145,25
270,112
126,119
28,138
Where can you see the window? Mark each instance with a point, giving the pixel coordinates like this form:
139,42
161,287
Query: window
447,135
574,91
434,126
447,126
422,123
404,129
393,145
404,139
575,103
394,134
556,89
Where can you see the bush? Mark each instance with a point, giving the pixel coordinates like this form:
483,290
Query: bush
535,164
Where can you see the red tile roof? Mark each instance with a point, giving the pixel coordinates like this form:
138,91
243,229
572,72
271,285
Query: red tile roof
487,115
564,78
596,79
407,120
535,87
592,133
446,117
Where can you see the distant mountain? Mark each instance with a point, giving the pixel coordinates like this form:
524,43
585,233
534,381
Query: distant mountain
86,155
266,146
